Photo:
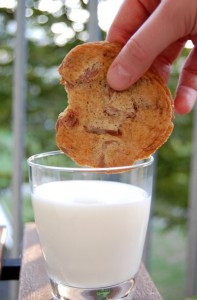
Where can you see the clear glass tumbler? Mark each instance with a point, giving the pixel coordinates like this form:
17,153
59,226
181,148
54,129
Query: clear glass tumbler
91,224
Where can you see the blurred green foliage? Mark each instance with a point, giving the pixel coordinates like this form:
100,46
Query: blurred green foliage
46,98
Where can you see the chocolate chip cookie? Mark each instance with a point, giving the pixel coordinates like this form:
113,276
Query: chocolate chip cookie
102,127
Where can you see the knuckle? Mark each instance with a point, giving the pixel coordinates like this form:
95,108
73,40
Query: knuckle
189,77
137,51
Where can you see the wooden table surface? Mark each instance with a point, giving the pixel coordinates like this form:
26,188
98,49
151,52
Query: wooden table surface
34,284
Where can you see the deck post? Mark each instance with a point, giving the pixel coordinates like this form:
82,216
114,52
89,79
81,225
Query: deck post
92,27
191,267
19,83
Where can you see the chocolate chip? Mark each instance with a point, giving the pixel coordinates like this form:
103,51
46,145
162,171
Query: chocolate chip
96,130
89,74
70,118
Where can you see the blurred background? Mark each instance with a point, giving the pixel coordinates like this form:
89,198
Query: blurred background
52,28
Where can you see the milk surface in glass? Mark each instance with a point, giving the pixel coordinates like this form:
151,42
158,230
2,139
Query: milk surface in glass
92,232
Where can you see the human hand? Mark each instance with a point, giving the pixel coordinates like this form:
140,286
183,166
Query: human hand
155,32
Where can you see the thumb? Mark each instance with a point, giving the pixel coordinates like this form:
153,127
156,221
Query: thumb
155,35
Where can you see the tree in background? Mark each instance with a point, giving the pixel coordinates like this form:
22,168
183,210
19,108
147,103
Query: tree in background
53,28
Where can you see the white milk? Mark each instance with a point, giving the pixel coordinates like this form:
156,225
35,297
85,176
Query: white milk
92,232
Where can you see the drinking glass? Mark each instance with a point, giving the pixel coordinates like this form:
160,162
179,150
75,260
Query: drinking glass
91,224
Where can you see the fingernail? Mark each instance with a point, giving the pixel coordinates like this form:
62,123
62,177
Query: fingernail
119,78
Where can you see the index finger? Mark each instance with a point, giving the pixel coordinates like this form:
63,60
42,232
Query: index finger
129,18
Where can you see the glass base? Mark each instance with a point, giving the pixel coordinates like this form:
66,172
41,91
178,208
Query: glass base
123,290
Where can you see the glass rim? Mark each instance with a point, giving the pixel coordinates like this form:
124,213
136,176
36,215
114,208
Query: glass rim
138,164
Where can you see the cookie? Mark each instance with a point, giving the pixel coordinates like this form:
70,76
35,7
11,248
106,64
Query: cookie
102,127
